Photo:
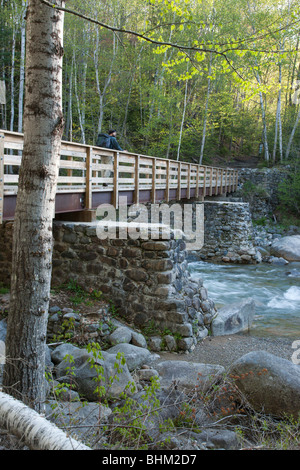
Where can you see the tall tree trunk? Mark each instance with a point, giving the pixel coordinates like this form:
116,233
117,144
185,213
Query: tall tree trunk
12,80
292,134
183,118
205,112
24,372
22,67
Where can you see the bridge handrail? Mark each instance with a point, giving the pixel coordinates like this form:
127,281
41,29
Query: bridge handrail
87,168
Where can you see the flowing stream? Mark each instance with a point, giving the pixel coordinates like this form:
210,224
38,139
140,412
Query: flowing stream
275,289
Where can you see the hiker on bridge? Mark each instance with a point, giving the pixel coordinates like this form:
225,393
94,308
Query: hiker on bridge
109,141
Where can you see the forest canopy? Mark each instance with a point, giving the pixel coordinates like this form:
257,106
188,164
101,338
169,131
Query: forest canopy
202,81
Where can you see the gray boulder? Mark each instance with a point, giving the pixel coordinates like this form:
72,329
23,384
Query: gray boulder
83,420
287,248
234,318
135,357
121,335
61,351
272,384
187,375
86,378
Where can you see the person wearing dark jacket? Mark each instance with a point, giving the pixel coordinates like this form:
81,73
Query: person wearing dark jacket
113,141
109,141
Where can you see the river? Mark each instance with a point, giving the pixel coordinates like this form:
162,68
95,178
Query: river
275,289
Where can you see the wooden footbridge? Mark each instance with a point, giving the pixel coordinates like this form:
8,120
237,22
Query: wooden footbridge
90,176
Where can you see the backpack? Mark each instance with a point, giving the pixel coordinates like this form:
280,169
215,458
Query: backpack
103,140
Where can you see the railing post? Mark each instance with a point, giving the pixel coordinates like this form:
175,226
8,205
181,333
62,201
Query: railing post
217,182
88,176
197,182
116,180
188,195
221,184
1,177
179,182
204,182
210,181
137,179
167,196
153,195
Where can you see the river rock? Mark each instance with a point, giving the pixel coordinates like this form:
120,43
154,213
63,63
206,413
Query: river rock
121,335
187,375
287,248
135,356
83,419
234,318
61,351
272,384
84,376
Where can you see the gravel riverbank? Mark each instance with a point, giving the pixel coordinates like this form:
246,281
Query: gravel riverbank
224,350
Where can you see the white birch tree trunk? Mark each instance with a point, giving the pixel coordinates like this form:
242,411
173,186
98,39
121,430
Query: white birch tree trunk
24,371
205,112
183,118
22,67
34,430
288,149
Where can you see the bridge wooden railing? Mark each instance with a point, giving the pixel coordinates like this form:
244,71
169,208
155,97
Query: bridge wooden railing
100,175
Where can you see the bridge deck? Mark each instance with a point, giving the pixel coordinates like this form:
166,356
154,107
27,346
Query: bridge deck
90,176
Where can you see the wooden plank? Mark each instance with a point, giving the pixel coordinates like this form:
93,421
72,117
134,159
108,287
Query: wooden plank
13,145
10,178
1,176
72,153
14,160
67,179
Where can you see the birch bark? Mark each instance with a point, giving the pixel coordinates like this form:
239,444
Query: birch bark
24,370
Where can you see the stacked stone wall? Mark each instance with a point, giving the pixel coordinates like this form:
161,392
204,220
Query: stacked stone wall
228,233
147,280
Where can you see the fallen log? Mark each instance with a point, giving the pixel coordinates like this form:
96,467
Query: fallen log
33,429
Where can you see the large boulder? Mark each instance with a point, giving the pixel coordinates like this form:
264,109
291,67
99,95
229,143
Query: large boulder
134,355
270,384
287,248
85,377
84,420
234,318
187,375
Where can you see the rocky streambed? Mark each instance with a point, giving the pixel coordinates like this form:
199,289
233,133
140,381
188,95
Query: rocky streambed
195,401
